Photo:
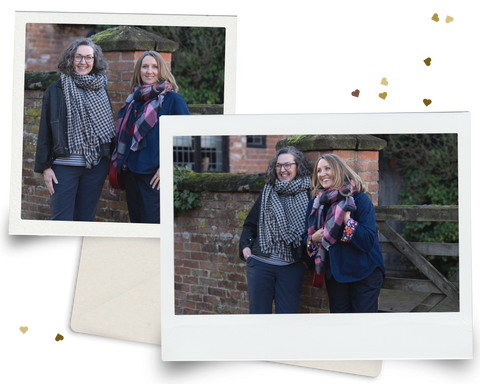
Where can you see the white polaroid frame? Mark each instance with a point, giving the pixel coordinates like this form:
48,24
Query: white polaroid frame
317,336
18,226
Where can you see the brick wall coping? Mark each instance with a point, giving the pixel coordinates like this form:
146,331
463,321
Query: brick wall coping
223,182
306,143
129,38
35,81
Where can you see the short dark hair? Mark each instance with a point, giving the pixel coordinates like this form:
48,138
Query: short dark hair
304,168
65,60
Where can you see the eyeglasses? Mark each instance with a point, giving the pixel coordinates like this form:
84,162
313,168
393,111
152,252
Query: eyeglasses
286,166
79,58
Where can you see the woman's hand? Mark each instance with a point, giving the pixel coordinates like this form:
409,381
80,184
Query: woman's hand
346,217
113,191
50,178
317,237
155,182
247,252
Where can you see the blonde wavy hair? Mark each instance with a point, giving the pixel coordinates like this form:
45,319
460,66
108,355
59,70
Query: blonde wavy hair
163,71
341,174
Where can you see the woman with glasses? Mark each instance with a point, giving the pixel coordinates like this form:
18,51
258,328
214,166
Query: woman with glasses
271,241
137,154
75,133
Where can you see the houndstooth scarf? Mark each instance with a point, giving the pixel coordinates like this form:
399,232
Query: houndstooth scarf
89,114
280,227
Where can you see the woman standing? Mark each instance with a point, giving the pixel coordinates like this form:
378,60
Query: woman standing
137,155
76,130
271,241
342,236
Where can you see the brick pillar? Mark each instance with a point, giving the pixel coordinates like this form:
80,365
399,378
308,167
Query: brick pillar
359,151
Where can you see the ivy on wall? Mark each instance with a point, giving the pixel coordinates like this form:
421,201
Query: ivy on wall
183,200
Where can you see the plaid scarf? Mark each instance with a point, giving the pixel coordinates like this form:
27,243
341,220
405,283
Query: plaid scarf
333,223
89,114
281,227
153,96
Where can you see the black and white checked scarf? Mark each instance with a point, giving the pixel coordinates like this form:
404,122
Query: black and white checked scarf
89,116
281,227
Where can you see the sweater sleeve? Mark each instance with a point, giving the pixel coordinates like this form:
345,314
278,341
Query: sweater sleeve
43,155
250,227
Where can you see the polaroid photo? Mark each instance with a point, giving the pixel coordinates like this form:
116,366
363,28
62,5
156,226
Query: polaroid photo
204,302
40,37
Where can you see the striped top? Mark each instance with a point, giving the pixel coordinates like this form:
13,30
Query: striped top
275,259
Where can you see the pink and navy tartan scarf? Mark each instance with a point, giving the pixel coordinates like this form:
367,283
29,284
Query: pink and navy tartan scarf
333,223
153,96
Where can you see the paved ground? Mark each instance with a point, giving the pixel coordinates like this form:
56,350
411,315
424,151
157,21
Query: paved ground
402,301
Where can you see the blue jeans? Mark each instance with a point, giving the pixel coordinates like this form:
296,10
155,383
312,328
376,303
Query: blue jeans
142,200
357,297
78,191
268,282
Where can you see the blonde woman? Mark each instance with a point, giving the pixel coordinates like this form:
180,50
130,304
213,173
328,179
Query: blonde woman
137,154
342,236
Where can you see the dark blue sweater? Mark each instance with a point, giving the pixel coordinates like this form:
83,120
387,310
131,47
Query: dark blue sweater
356,260
147,158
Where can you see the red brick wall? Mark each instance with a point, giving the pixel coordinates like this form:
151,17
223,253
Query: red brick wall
45,42
209,275
251,160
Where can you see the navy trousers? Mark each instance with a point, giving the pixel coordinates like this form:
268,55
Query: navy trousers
142,200
78,191
268,282
357,297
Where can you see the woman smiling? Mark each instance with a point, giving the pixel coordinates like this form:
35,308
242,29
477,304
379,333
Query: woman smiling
75,134
341,235
137,154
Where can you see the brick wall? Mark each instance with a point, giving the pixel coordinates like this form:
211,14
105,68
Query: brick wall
251,160
45,42
209,275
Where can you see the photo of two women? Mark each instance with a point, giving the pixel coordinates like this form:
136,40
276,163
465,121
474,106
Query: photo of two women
101,117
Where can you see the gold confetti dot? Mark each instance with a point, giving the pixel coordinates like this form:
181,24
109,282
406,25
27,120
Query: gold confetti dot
59,337
435,17
355,93
23,329
384,81
426,102
383,95
449,19
427,61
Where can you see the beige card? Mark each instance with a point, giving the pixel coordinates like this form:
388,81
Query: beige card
118,296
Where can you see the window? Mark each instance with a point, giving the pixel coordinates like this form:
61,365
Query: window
257,141
201,153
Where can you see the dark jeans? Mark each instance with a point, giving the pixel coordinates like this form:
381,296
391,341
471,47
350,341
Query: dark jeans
357,297
78,191
142,200
268,282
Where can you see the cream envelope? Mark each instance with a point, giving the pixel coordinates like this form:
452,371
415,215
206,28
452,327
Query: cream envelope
118,296
118,289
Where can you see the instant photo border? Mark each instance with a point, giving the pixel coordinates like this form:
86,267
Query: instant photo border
317,336
18,226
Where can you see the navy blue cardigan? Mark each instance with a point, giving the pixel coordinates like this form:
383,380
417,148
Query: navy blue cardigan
356,260
147,159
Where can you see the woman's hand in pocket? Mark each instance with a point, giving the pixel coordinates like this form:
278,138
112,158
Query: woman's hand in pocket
247,252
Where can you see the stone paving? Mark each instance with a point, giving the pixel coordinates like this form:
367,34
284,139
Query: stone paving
404,301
